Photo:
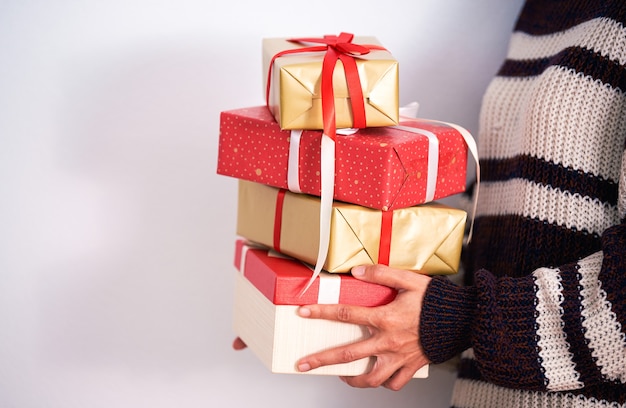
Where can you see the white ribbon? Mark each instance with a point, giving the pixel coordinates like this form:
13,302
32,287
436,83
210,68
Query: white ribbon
242,259
293,166
471,145
330,283
326,204
330,288
410,111
433,163
244,253
327,189
327,159
433,159
293,163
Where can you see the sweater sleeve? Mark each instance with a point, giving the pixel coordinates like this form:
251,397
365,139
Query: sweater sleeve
561,328
556,329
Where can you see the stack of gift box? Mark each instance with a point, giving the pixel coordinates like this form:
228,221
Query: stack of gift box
331,176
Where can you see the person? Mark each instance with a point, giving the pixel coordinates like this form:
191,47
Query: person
541,317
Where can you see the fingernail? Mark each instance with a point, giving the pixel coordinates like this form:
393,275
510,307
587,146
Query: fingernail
304,311
358,271
304,367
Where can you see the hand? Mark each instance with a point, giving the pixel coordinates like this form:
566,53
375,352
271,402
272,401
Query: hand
238,344
394,327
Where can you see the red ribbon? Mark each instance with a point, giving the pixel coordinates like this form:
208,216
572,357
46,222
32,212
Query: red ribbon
384,247
278,218
337,48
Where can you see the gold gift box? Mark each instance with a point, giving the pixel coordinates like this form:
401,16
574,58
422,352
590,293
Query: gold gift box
295,96
426,238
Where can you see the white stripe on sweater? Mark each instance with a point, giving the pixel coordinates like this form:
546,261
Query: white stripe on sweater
532,200
592,34
556,358
603,331
476,394
593,123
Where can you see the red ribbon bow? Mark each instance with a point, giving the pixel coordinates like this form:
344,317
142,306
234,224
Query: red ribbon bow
337,48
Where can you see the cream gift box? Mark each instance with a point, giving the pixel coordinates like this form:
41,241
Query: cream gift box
275,333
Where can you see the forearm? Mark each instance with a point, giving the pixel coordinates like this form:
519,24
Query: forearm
558,328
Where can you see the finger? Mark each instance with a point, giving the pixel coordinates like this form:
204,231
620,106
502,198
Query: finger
338,355
380,373
406,372
384,373
239,344
394,278
399,379
361,315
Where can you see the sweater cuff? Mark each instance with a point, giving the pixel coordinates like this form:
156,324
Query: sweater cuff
445,323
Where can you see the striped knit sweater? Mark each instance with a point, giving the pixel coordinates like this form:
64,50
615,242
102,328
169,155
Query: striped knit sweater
542,318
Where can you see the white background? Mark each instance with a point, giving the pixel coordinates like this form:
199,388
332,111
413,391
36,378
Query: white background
116,235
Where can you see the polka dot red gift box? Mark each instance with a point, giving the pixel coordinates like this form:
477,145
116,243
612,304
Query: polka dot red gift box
378,167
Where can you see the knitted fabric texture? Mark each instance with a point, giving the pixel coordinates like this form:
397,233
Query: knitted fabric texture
542,318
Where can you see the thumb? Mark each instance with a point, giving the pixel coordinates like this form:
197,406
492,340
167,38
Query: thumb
400,279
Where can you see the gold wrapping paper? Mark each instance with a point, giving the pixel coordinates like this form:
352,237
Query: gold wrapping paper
295,97
426,238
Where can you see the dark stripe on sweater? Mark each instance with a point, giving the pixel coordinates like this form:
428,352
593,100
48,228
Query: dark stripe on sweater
572,319
447,313
524,244
541,17
613,273
503,340
607,391
550,174
581,60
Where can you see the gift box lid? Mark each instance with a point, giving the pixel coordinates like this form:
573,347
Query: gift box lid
281,279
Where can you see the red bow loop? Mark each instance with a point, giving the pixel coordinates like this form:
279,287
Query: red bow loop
341,43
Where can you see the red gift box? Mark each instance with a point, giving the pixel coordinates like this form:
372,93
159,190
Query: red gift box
281,279
378,167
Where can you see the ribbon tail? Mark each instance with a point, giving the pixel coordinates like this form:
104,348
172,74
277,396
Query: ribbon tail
433,159
410,110
471,146
327,162
326,204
